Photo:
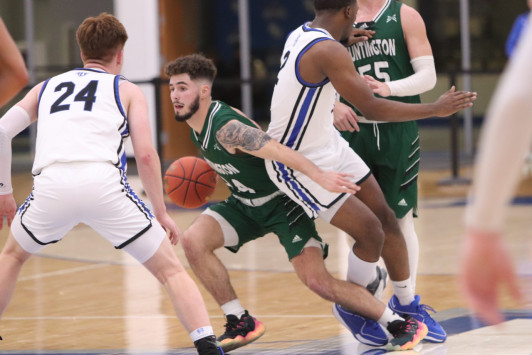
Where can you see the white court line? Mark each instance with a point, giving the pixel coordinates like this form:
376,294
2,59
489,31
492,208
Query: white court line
61,272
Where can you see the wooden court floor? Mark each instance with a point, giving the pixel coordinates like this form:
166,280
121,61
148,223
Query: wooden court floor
81,296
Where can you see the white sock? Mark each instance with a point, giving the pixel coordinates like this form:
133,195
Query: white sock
387,317
359,271
233,307
403,291
201,333
406,224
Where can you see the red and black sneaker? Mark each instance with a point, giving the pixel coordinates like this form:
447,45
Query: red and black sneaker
239,332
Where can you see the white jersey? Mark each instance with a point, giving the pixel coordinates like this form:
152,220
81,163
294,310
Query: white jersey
80,118
302,119
301,112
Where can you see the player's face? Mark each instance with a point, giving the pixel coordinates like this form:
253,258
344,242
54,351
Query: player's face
185,97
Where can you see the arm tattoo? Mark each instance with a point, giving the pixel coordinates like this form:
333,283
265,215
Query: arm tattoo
238,135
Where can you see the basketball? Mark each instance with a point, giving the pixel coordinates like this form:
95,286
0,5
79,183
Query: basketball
189,182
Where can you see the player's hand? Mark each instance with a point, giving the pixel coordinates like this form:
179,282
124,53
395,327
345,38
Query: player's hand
359,35
485,267
378,87
345,118
8,207
453,101
337,182
170,227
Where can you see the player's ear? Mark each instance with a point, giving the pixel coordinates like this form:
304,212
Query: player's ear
350,10
205,90
120,56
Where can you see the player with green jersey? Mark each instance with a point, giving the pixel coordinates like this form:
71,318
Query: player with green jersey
397,63
246,177
235,147
239,171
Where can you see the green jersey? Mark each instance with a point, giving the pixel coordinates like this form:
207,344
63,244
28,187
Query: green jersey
244,174
385,57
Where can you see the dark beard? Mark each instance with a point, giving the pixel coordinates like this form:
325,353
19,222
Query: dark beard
193,109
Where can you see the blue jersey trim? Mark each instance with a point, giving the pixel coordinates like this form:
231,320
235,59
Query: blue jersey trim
124,127
301,117
41,92
288,180
307,47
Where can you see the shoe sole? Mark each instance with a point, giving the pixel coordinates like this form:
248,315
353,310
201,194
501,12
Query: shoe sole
420,335
240,341
431,339
361,340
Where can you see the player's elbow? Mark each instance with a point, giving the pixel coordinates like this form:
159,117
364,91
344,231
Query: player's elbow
146,157
430,80
19,77
22,78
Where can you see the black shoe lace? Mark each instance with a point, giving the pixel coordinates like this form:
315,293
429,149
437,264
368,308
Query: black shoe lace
402,327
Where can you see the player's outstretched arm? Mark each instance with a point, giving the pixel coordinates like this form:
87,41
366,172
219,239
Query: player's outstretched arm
148,163
329,59
505,140
13,73
236,136
14,121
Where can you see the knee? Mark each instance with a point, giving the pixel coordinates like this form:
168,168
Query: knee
198,245
14,253
372,237
388,220
164,275
191,244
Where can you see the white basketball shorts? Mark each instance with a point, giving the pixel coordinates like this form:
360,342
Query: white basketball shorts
318,202
94,193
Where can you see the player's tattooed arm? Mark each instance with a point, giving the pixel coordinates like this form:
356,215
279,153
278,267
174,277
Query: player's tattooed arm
236,135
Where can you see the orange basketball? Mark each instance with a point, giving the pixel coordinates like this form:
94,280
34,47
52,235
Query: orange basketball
189,182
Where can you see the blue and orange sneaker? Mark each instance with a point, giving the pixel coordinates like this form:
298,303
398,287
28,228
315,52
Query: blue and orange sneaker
239,332
420,312
406,334
364,330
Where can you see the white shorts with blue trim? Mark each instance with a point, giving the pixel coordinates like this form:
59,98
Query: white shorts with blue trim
318,202
94,193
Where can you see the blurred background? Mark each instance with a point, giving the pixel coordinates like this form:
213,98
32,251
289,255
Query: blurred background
245,39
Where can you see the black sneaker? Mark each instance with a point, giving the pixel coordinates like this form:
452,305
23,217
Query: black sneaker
406,334
208,346
239,332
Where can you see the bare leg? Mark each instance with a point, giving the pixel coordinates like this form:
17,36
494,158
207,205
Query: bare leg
184,293
359,222
310,269
394,252
12,259
199,242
